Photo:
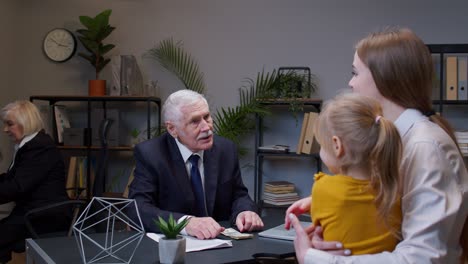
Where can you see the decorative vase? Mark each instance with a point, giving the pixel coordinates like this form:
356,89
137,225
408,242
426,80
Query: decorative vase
172,250
97,87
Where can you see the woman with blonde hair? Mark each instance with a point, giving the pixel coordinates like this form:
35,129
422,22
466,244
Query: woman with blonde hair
395,67
35,178
363,150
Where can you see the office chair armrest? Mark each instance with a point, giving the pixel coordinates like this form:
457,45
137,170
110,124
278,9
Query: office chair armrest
41,210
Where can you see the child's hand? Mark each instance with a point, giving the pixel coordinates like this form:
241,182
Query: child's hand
297,208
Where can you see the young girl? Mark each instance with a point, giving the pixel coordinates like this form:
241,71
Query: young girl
358,206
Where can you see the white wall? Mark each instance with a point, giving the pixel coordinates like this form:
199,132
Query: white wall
231,40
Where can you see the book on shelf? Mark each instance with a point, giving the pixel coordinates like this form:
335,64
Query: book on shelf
279,193
279,187
77,179
274,149
47,119
61,121
71,178
279,184
279,203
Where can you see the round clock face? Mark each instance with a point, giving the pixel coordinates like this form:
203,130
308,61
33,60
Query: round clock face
59,45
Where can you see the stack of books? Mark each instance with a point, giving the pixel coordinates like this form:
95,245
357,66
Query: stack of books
462,140
279,193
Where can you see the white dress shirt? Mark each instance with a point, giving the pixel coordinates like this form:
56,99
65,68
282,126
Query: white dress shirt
434,202
186,153
25,140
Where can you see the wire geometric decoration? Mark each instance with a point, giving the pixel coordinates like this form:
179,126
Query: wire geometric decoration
110,246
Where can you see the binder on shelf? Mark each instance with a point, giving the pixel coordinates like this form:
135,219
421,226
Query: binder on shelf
310,144
462,77
451,80
436,79
303,131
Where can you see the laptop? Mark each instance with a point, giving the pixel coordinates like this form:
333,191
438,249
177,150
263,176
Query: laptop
279,232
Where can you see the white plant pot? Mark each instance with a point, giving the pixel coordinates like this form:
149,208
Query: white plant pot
172,250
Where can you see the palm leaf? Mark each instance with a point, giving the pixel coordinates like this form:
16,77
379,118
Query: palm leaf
173,58
235,123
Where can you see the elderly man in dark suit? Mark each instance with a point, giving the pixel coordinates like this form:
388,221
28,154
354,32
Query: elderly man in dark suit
208,191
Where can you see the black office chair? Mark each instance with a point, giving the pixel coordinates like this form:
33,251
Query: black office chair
71,209
269,258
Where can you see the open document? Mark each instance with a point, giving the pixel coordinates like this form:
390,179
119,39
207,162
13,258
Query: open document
194,244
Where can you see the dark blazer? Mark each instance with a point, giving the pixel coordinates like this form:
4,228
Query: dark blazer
37,177
162,186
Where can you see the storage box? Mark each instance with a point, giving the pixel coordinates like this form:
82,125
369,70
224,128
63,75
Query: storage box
73,136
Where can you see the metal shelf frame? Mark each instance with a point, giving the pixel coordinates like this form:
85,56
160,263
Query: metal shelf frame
260,155
53,99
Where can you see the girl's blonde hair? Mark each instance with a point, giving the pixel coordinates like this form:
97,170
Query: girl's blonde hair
25,114
369,141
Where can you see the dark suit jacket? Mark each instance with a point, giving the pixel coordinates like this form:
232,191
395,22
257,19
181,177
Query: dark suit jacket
37,177
162,186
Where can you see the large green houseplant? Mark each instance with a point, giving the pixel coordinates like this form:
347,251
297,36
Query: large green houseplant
97,29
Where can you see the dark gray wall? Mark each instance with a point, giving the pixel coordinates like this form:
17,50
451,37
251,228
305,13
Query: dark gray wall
231,40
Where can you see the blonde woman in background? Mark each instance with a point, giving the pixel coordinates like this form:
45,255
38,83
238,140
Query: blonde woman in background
35,178
395,67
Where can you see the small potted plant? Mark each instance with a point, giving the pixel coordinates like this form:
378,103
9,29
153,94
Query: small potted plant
97,29
172,245
135,134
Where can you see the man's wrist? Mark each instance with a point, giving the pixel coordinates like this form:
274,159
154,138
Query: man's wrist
188,217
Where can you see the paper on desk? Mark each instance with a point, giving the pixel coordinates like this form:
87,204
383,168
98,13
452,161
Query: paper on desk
194,244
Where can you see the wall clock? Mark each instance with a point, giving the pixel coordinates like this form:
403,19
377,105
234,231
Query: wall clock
59,45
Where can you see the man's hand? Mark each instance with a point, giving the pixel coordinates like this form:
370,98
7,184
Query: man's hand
334,247
302,241
297,208
203,227
247,221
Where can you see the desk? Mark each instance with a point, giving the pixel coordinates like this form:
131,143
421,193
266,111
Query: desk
64,250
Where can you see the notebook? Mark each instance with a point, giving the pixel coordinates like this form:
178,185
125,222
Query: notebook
279,232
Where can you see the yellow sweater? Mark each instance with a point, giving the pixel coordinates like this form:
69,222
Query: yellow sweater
345,209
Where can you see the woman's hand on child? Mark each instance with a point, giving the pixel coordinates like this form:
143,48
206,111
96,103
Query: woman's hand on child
302,240
333,247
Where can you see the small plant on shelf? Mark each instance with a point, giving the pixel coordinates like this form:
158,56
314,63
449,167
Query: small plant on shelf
171,228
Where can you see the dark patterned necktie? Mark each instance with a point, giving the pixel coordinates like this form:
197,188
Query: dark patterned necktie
197,187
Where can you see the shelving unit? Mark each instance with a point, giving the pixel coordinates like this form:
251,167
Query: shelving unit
441,52
261,157
104,101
